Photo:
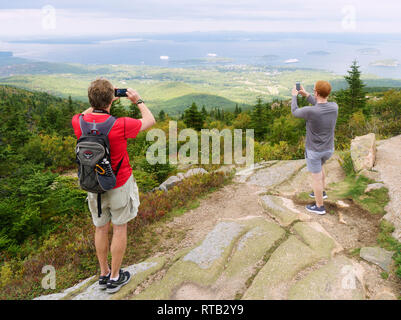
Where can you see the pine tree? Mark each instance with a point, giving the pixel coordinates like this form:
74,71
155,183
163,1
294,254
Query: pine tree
204,113
134,111
353,98
117,109
218,116
236,110
70,106
193,118
162,115
258,120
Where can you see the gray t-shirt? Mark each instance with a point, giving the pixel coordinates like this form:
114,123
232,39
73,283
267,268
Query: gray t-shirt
320,123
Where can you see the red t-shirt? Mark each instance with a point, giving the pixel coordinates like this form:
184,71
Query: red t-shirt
123,129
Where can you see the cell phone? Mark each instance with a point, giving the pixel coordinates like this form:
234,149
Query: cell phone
298,85
120,92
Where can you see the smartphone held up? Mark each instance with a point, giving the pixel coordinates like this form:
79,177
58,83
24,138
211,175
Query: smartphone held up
120,92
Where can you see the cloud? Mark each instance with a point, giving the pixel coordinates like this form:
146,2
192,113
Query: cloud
73,18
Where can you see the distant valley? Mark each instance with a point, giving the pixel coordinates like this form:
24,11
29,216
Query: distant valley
173,89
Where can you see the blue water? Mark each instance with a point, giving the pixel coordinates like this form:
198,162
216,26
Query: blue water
191,50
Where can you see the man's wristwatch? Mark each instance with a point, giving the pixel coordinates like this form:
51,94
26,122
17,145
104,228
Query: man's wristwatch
140,101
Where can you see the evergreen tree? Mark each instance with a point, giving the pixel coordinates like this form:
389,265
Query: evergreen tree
162,115
218,115
258,120
70,106
268,116
204,113
118,110
353,98
193,118
134,111
236,110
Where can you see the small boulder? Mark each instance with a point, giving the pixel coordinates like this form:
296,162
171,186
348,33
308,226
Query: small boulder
193,171
374,186
169,183
181,175
378,256
363,152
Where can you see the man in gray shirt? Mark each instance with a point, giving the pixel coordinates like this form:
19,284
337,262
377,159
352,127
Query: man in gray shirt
319,147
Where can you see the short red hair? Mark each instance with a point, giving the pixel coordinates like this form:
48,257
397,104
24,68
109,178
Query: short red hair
323,88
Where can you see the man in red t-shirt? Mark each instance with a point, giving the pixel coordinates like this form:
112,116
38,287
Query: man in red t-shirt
120,204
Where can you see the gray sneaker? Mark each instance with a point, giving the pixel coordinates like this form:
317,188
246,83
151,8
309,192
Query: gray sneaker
312,195
315,209
103,281
115,285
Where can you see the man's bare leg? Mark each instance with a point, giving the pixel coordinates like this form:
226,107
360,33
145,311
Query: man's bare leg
102,248
317,186
323,179
118,246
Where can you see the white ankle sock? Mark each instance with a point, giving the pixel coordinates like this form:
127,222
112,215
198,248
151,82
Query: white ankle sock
115,279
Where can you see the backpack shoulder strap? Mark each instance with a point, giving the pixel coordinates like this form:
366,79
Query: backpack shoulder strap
106,126
103,127
83,125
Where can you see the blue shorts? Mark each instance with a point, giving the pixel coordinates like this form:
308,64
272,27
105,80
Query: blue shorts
315,160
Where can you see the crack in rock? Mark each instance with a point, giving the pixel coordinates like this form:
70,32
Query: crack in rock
214,244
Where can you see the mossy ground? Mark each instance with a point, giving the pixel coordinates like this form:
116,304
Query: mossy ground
353,188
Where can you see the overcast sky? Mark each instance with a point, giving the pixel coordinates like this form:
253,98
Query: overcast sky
25,19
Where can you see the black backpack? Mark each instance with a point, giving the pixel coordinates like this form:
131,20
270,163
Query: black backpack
92,150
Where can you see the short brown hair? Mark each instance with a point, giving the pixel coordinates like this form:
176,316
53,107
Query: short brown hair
100,93
323,88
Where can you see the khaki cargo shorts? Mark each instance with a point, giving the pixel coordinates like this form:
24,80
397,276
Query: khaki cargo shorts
119,205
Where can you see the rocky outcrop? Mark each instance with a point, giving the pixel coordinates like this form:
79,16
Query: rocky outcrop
340,279
363,152
174,180
169,183
388,165
282,252
377,256
225,258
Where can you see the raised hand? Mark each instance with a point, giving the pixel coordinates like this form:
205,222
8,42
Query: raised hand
133,95
303,91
